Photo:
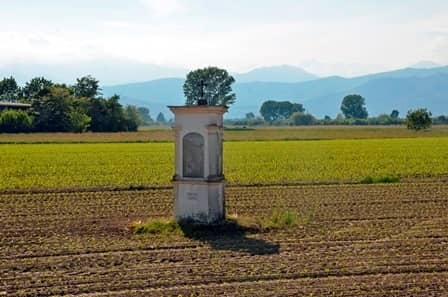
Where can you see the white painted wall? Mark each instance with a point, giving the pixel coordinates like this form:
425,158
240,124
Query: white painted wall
199,199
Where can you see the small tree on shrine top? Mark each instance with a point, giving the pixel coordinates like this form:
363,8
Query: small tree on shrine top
209,86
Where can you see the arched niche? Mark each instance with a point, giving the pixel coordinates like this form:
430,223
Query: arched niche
193,155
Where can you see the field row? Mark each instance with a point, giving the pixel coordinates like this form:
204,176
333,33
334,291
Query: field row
154,134
352,240
143,164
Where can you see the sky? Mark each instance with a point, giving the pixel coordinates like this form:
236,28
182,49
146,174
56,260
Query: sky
326,37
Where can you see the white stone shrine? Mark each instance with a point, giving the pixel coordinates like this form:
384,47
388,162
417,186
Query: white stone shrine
198,180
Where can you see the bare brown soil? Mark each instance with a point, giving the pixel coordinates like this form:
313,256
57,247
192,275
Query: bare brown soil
352,240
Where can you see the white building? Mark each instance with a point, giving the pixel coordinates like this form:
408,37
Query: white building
198,181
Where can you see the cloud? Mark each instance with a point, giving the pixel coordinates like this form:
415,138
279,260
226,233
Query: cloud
176,33
164,8
47,47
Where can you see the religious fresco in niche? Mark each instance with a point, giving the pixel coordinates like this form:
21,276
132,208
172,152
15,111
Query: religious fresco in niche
193,155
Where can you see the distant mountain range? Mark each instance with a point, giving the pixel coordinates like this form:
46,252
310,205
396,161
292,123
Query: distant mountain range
425,84
119,71
107,71
282,73
401,89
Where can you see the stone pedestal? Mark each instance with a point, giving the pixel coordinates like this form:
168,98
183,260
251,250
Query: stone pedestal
198,180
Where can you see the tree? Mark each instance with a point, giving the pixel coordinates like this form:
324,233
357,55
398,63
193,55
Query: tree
108,115
442,119
145,115
161,118
133,119
250,116
79,121
15,121
99,114
211,84
273,110
115,118
394,114
353,107
86,86
302,119
419,119
9,90
35,88
53,110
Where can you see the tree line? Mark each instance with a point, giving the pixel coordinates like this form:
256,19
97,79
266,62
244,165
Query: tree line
67,108
353,112
81,107
213,86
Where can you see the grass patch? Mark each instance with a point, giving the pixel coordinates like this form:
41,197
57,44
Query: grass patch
160,226
279,219
380,180
234,224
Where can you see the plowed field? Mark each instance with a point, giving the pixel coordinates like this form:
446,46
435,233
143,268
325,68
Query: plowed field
354,240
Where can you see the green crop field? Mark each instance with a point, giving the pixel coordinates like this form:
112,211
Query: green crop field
245,162
349,240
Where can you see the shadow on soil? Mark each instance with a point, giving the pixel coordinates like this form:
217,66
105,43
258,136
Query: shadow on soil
230,236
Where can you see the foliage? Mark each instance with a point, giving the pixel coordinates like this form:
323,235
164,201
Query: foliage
9,90
52,111
302,119
353,106
145,116
441,120
212,84
99,113
160,226
257,121
14,121
86,86
79,121
394,114
279,110
36,88
384,119
161,118
378,180
62,108
109,115
115,119
58,110
250,116
132,118
280,218
418,119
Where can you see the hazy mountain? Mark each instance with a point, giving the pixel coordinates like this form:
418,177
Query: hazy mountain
401,89
156,94
425,65
114,71
281,73
385,94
